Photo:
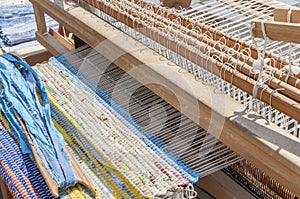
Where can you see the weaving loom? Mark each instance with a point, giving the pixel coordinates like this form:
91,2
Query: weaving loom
159,98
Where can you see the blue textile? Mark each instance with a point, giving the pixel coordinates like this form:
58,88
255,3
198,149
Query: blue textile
23,168
17,24
19,93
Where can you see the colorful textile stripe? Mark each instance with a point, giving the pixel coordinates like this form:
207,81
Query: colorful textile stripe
151,140
18,171
115,144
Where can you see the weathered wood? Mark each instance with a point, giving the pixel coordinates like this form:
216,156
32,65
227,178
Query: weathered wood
273,150
33,54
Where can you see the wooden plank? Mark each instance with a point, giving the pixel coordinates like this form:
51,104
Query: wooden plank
221,186
51,44
278,31
281,15
4,191
37,58
40,19
68,44
33,54
272,150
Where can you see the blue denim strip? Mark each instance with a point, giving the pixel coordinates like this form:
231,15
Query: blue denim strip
20,93
152,141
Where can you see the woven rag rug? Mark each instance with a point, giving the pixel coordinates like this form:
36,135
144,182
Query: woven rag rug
23,178
18,169
118,154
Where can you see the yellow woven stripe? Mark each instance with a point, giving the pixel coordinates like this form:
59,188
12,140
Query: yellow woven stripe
79,187
115,189
133,189
74,193
68,139
5,122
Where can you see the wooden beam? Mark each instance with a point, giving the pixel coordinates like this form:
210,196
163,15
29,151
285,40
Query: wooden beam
51,44
221,186
272,149
40,19
33,54
281,15
278,31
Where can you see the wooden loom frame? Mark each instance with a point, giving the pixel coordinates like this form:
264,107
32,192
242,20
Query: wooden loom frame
269,147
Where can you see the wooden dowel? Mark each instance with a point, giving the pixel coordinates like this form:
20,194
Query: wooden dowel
241,65
232,43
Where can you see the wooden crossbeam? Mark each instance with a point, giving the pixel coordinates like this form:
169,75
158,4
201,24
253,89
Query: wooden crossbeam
281,15
278,31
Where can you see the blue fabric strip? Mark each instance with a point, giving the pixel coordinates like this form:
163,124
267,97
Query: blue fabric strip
20,93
